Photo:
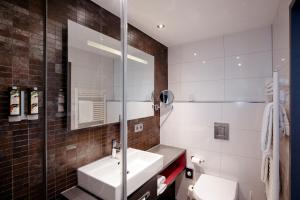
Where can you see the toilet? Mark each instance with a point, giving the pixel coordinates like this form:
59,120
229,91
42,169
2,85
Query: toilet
214,188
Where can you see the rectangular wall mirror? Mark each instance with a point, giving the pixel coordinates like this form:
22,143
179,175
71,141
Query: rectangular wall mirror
95,79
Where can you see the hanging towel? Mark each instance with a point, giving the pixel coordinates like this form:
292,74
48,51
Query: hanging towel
266,131
267,126
86,111
284,121
268,163
265,167
270,180
266,148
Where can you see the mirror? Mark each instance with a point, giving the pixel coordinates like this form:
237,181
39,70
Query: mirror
166,97
95,84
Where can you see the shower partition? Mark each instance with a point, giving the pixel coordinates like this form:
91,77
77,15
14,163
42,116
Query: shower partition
67,149
124,135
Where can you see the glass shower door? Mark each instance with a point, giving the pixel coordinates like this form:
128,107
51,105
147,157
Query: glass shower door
85,96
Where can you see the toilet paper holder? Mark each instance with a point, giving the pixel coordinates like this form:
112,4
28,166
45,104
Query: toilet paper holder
196,160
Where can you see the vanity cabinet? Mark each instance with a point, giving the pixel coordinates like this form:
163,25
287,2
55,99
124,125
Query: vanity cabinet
174,163
169,193
148,191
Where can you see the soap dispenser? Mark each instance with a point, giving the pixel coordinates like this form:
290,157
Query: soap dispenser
33,101
15,101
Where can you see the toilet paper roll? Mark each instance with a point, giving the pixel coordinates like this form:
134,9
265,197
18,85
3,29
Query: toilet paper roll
197,160
190,192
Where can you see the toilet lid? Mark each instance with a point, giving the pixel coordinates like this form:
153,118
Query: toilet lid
213,188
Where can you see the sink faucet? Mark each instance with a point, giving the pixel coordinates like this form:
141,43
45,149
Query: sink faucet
116,147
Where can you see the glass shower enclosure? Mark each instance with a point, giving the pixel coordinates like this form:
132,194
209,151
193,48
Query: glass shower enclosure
85,91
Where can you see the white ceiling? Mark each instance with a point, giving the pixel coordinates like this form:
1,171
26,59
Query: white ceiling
192,20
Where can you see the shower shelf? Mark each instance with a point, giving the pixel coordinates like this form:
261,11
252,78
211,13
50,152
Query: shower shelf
220,101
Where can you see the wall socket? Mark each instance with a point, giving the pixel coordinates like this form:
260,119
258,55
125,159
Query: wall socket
138,127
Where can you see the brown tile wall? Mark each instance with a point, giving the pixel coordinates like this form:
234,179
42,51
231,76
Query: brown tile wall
21,63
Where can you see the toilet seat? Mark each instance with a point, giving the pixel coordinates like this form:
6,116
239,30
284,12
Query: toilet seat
214,188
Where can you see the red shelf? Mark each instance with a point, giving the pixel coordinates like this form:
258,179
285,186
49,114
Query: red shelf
174,169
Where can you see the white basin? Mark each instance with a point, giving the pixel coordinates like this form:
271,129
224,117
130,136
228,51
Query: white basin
103,177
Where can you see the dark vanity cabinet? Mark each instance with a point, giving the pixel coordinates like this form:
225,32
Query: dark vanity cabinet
148,191
174,165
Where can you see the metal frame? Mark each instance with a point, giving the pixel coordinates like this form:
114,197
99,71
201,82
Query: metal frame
123,122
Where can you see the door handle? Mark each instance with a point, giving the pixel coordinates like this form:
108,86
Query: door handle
145,196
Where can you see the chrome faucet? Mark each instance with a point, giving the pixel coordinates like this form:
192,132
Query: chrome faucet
116,147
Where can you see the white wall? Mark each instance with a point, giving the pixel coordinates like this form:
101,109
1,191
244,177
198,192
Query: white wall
214,74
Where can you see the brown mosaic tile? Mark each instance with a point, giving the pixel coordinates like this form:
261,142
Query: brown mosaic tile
20,142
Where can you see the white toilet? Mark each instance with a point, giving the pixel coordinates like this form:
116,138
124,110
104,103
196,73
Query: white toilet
214,188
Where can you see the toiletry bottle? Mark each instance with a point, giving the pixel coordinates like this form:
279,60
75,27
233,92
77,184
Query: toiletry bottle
61,101
33,101
15,101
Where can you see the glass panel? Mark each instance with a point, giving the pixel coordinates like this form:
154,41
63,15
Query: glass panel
215,60
84,67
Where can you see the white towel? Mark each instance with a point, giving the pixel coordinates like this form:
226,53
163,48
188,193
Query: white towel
161,189
160,180
266,131
269,177
267,145
284,122
265,167
86,111
267,126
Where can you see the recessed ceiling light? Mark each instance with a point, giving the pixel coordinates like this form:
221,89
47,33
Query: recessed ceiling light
237,57
282,59
160,26
195,54
240,64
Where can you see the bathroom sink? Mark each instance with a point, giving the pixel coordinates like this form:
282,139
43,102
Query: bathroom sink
103,177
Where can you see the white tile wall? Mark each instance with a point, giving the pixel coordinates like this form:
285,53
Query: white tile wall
233,68
245,89
202,90
258,40
249,65
205,50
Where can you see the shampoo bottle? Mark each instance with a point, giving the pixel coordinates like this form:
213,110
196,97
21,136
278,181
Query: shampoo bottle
33,101
15,102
